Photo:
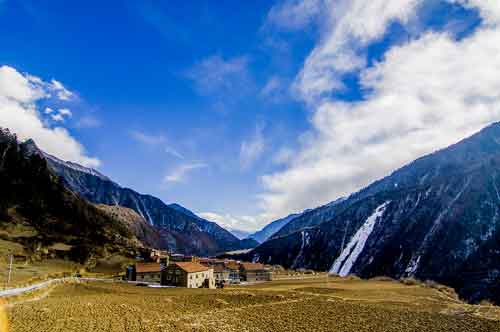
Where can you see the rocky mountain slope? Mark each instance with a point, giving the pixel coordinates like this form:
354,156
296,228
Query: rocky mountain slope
39,217
436,218
181,230
147,235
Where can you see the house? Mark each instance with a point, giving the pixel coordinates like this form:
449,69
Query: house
221,275
188,274
234,271
183,258
146,272
251,272
159,256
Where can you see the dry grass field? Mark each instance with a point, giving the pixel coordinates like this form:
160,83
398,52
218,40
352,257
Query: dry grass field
24,274
308,305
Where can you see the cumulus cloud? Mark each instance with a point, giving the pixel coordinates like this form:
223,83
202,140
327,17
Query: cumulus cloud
251,150
61,92
179,173
59,115
19,94
490,9
424,95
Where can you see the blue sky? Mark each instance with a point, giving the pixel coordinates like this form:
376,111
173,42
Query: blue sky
244,110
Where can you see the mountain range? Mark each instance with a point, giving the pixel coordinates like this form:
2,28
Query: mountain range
180,230
436,218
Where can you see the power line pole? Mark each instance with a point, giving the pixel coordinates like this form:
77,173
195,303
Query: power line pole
10,269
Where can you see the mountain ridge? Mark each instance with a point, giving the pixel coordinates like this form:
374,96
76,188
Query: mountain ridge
55,222
441,216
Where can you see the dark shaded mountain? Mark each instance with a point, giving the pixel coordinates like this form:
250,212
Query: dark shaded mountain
182,231
52,219
437,218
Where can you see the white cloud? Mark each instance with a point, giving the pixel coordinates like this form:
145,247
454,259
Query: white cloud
216,76
179,173
88,121
171,151
275,89
147,138
251,150
350,25
65,112
60,115
424,95
294,14
490,9
156,140
57,117
231,222
61,92
18,97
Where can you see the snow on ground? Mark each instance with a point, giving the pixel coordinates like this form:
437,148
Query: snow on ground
344,263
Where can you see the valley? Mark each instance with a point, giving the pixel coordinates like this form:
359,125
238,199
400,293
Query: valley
250,166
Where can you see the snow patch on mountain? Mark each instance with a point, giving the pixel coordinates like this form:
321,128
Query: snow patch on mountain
76,167
344,263
305,242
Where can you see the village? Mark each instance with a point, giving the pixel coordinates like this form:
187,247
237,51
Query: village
177,270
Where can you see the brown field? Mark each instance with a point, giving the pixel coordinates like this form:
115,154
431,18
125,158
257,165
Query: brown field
307,305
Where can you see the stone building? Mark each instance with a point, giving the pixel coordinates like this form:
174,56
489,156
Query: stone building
234,271
147,272
188,274
252,272
221,275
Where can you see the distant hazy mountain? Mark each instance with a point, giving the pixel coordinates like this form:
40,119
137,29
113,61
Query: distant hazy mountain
273,227
270,229
240,234
436,218
182,231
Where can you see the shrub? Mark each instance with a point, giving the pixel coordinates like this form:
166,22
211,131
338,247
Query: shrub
486,303
410,281
382,278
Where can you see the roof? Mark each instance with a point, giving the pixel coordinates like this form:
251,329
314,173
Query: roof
252,266
147,267
232,265
219,268
191,267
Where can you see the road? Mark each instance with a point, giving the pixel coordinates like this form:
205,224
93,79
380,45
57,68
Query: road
22,290
44,284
